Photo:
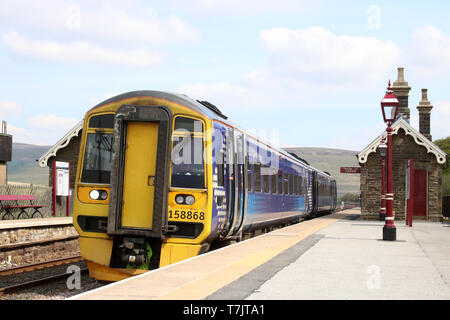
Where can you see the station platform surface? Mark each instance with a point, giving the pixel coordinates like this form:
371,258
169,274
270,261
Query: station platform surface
332,257
36,222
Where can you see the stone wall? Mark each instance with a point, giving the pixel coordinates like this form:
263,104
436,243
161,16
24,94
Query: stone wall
19,246
404,148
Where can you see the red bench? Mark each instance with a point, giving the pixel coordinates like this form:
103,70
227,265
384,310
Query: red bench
10,202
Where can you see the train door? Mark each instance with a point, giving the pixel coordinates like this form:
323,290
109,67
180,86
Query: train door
139,172
237,182
315,193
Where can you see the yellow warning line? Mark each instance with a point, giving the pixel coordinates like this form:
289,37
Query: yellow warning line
208,284
198,277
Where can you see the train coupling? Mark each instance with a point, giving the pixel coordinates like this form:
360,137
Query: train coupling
133,252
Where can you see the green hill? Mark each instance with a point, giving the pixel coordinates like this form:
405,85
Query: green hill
24,166
444,145
331,160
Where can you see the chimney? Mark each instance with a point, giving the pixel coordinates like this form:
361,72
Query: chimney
424,108
401,91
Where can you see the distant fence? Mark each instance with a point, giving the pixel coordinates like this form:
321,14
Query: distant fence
347,205
42,195
446,206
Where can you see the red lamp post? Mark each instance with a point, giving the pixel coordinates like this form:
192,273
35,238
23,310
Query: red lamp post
383,147
389,106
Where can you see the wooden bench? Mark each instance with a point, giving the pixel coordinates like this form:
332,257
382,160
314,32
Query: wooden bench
10,202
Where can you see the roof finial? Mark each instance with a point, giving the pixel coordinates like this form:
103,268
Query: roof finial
389,89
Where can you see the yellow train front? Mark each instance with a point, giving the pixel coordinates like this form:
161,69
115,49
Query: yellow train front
134,211
162,177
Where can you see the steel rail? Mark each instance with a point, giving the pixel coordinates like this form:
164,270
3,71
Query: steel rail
40,265
24,285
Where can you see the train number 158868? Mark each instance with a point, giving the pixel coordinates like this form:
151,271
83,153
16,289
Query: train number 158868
186,215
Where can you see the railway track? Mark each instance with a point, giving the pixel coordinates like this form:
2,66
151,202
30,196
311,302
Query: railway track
37,282
40,280
40,265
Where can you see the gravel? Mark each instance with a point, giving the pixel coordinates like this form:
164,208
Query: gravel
55,290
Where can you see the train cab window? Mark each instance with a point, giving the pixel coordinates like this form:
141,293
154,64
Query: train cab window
102,121
188,167
286,183
266,178
97,158
257,169
188,124
274,183
98,149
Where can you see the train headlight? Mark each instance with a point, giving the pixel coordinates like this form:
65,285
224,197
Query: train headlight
103,194
190,200
94,194
98,195
179,199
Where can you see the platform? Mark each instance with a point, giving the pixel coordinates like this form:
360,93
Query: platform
36,222
332,257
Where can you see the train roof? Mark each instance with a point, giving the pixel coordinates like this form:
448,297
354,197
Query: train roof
203,107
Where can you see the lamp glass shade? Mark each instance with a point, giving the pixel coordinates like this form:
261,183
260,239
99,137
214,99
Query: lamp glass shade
383,148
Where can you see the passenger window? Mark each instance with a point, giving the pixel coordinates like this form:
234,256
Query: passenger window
257,167
274,183
250,177
266,178
300,185
286,183
280,183
295,185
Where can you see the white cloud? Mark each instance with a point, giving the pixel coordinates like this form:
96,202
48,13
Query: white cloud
110,22
439,120
316,55
303,64
9,109
51,122
428,51
43,129
107,32
76,52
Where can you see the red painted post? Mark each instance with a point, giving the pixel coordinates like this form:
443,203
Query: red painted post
389,231
383,148
389,107
68,197
54,188
383,190
411,192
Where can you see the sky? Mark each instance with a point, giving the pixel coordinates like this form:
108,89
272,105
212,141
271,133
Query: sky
299,73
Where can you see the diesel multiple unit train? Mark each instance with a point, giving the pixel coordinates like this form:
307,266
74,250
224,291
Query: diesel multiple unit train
162,177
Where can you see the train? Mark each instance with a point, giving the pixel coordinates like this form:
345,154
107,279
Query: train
162,177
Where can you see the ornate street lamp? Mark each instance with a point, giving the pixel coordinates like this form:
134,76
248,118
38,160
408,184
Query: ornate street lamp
389,106
383,148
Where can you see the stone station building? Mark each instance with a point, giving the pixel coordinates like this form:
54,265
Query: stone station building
66,150
407,143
